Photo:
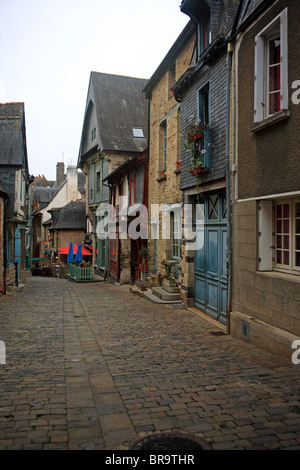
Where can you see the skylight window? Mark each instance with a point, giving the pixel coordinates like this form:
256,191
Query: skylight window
138,132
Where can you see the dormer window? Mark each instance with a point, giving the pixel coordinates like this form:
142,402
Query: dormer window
199,12
204,31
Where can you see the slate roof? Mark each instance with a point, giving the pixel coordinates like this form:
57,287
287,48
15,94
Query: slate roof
45,195
70,217
120,106
13,150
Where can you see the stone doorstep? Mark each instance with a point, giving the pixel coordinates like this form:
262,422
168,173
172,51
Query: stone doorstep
163,294
150,296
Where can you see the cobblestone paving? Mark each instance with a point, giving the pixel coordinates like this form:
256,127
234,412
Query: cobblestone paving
91,366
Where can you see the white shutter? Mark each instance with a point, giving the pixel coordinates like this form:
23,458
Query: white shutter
265,235
259,79
284,59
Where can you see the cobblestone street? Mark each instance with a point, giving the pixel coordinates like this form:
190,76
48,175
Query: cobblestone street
92,366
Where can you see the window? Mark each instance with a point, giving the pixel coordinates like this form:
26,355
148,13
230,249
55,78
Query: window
287,235
271,71
204,105
175,235
131,192
204,31
94,134
279,235
204,118
98,181
138,132
163,145
273,76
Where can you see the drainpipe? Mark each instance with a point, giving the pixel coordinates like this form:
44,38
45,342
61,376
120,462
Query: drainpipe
228,184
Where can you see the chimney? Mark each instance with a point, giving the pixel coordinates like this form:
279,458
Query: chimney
72,183
60,173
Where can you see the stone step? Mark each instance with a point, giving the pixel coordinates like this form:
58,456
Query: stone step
161,293
168,288
150,296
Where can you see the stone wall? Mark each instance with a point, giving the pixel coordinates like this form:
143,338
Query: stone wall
265,305
165,189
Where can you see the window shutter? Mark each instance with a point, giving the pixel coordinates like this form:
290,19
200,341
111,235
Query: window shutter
259,79
265,236
284,59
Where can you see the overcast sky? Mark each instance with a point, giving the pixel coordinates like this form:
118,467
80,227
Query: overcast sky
49,48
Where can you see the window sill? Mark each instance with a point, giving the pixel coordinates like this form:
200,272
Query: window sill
293,277
270,121
177,172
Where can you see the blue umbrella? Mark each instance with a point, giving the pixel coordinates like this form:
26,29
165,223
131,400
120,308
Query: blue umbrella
78,257
70,258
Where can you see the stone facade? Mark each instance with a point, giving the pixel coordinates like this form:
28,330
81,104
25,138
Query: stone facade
165,144
266,267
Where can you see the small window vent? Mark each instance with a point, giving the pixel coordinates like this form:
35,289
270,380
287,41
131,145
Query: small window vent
245,330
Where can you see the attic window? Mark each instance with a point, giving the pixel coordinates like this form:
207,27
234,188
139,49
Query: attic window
138,132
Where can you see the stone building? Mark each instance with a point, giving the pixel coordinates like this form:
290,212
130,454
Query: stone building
266,176
203,94
165,156
45,195
67,224
128,185
14,180
115,128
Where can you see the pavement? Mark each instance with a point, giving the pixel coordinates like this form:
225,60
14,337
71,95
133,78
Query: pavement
90,366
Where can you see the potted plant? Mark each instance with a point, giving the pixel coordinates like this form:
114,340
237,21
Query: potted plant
163,172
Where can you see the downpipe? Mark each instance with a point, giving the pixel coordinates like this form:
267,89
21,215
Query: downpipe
228,186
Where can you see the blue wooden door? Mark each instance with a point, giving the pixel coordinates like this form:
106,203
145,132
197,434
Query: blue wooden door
18,250
210,258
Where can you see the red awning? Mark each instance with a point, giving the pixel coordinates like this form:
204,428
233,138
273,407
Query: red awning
65,251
